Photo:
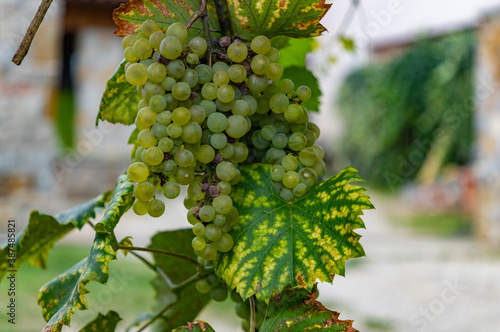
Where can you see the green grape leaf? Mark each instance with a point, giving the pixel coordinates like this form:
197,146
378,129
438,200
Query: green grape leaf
189,301
103,323
126,242
277,243
197,326
120,202
60,297
119,100
347,43
43,230
130,15
295,309
298,19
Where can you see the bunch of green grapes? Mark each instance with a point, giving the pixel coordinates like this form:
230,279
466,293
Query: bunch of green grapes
201,116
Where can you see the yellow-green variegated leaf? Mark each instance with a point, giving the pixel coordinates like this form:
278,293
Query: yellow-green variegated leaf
60,297
119,100
103,323
278,244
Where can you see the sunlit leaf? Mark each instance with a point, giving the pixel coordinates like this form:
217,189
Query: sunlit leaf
197,326
295,309
126,242
277,243
347,43
34,243
119,100
103,323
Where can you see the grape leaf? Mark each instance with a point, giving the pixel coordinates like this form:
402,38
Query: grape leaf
277,243
60,297
103,323
120,202
197,326
119,100
271,18
295,309
190,301
34,243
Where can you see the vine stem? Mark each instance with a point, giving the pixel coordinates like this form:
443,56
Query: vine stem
30,33
163,252
222,9
200,12
252,314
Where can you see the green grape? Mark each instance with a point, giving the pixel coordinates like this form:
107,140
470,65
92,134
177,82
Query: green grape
209,107
172,103
227,151
225,93
219,66
277,173
257,83
156,208
267,132
198,114
129,54
222,204
219,220
146,139
181,91
287,194
294,113
157,72
165,144
212,232
240,107
199,229
171,189
274,156
282,127
151,89
236,126
138,152
142,103
144,191
206,154
153,156
169,168
289,163
311,138
184,175
279,103
262,105
300,190
286,86
146,117
192,219
271,90
225,171
193,59
278,186
243,310
260,45
224,188
240,152
308,176
308,156
218,140
202,286
170,47
258,141
319,167
219,294
184,158
237,178
204,73
190,204
224,243
178,30
273,71
259,63
157,103
191,132
221,78
224,107
319,151
174,130
198,45
149,27
140,207
194,191
199,243
207,214
209,91
237,73
304,93
299,128
291,179
217,122
273,55
142,49
190,77
176,69
128,41
156,38
233,216
297,142
252,104
237,52
209,252
181,116
136,74
235,297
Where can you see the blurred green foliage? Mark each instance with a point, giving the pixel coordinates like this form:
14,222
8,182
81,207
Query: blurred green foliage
398,112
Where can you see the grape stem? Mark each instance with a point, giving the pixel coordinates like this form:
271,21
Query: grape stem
163,252
200,12
30,33
252,314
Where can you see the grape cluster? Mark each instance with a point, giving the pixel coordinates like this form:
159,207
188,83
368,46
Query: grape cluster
198,121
